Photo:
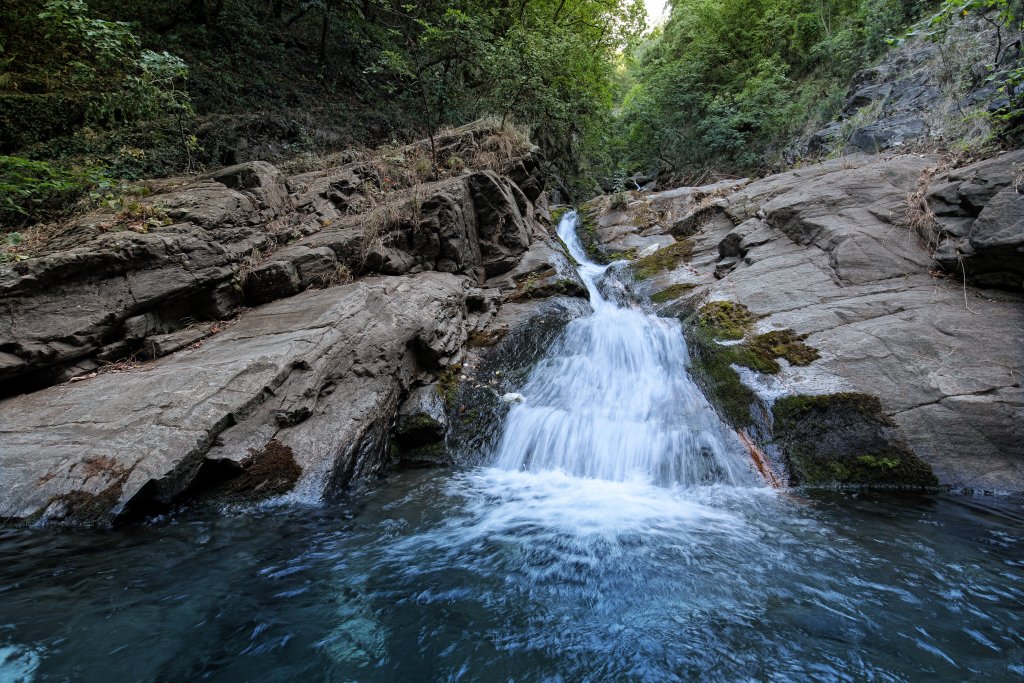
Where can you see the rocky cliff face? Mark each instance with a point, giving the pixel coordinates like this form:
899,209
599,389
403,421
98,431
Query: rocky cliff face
275,372
931,90
830,320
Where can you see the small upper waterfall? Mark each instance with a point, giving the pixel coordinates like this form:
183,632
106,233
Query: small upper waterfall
613,400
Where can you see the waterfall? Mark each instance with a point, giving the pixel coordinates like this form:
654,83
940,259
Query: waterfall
613,400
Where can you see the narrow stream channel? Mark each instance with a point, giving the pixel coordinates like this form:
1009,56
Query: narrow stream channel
617,535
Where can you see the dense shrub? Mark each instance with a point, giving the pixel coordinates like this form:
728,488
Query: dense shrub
34,190
727,81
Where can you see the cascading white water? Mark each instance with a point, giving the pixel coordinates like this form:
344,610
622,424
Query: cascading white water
613,400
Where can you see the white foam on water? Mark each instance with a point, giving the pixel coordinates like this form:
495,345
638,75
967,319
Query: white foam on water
18,664
612,400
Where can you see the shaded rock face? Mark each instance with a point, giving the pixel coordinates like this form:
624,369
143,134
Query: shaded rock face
921,91
324,381
845,438
979,221
498,363
420,428
821,258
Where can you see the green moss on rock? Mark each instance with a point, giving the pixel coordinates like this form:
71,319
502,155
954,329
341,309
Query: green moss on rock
586,231
726,319
662,260
483,338
713,362
448,384
761,352
846,440
672,293
712,369
540,285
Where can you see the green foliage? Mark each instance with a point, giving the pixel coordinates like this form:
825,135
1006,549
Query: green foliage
79,98
93,61
1006,19
34,190
106,81
545,65
728,80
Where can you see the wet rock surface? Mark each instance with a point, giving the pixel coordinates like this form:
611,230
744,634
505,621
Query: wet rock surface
825,255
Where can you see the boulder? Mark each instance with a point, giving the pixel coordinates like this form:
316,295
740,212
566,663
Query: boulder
992,252
979,227
312,382
888,132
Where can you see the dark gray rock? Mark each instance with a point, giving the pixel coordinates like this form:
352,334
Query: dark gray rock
72,305
979,228
888,132
420,428
992,253
271,281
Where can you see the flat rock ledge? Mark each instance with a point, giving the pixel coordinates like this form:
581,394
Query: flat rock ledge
316,377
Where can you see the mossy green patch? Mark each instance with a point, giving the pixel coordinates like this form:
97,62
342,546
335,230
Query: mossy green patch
725,319
662,260
672,293
565,250
540,285
846,440
586,231
713,371
479,338
761,352
448,384
793,408
713,362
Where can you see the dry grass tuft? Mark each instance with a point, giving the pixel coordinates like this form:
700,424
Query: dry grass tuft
249,263
918,217
499,148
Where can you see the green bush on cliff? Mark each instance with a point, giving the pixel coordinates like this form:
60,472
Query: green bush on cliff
65,68
34,190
